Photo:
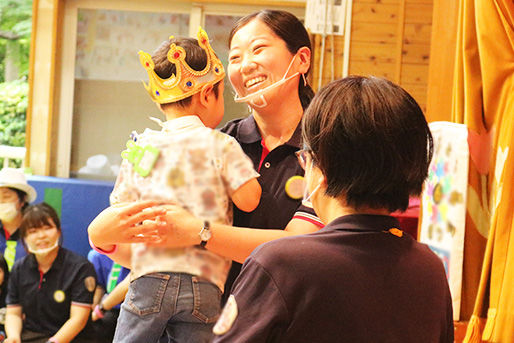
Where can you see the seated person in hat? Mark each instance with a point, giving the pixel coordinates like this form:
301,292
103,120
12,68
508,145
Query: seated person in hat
15,194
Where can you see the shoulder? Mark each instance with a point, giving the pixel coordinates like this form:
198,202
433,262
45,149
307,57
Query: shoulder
73,259
232,127
287,249
22,264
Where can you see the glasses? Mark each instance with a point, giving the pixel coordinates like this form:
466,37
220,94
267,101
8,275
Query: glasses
302,157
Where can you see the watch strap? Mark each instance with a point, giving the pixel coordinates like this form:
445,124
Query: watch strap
206,227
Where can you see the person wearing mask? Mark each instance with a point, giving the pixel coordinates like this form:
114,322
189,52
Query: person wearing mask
360,278
15,195
50,290
269,59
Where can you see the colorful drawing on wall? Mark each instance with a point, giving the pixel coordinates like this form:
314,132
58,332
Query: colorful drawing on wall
108,41
444,202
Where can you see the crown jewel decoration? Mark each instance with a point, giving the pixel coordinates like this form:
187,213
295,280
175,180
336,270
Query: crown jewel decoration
186,81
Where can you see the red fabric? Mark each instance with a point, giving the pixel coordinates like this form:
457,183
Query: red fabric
409,219
265,153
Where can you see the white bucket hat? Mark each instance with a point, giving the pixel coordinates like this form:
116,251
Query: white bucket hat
14,178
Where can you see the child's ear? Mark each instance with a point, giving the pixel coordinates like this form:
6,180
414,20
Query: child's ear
205,93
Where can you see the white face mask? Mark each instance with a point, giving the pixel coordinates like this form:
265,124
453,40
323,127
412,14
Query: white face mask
257,98
307,197
43,251
8,211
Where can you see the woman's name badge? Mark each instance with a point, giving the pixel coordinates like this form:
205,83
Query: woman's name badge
295,186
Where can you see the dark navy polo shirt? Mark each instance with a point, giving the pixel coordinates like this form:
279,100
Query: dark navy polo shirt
15,237
103,266
46,299
352,281
275,208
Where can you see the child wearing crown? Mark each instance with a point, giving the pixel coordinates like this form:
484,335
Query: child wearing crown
178,291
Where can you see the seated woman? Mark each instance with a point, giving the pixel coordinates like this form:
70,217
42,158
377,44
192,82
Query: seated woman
360,278
51,289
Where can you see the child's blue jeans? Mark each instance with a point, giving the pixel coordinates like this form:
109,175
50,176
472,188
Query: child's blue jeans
183,305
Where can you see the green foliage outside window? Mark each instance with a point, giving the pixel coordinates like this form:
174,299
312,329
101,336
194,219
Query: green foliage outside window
13,109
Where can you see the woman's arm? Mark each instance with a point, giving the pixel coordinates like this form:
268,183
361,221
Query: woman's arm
123,223
72,327
235,243
13,324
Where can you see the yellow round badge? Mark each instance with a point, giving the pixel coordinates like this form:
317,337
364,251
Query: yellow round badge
295,186
59,296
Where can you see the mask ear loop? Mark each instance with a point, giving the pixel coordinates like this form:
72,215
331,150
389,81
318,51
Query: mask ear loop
263,103
260,93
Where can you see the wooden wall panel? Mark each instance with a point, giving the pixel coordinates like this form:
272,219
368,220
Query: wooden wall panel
417,33
418,13
379,52
414,73
415,53
374,13
385,70
389,38
374,32
444,37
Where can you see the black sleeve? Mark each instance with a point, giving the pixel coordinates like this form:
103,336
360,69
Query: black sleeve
84,285
262,314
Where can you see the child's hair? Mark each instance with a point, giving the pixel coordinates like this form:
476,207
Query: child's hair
3,287
371,140
196,58
39,215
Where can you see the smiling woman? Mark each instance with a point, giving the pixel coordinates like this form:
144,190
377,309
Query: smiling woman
266,47
53,287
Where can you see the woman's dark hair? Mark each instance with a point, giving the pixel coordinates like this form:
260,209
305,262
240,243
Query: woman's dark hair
3,287
196,58
291,30
370,139
38,215
22,196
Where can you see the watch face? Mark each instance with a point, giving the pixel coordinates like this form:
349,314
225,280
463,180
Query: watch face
205,234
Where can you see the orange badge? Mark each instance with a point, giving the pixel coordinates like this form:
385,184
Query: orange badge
396,232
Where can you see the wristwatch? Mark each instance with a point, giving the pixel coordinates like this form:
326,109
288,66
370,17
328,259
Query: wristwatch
205,233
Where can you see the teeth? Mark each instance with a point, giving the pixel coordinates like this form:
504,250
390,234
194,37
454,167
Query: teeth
251,82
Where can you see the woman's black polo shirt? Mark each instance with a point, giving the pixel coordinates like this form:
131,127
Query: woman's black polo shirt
46,299
276,208
352,281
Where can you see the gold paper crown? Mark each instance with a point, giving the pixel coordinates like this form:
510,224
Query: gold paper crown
186,81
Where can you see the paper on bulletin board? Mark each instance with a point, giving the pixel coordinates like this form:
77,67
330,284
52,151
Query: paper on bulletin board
325,16
444,202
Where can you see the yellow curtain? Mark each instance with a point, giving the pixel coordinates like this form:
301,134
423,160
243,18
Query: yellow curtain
483,99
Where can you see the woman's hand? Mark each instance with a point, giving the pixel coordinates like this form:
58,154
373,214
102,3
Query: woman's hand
177,228
126,223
